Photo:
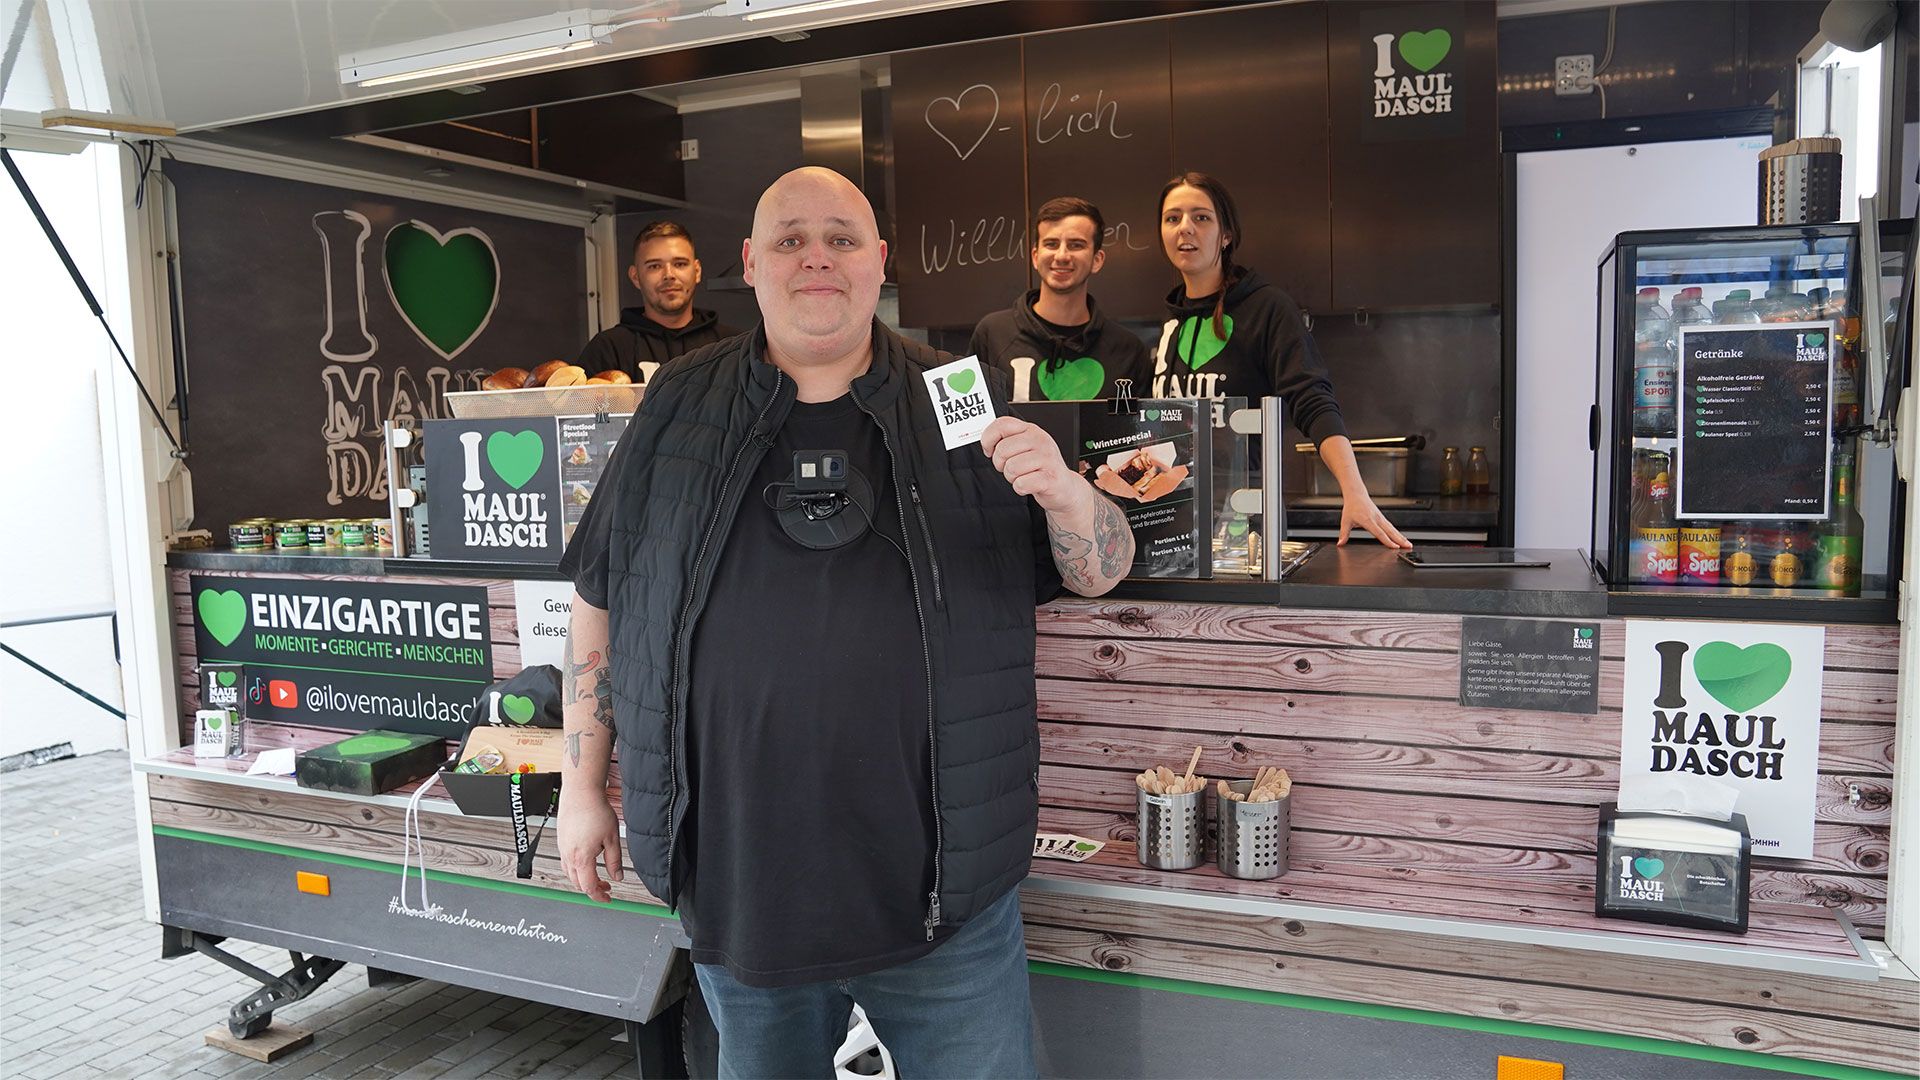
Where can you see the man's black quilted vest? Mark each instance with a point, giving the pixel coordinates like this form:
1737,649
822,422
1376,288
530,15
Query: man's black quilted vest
706,421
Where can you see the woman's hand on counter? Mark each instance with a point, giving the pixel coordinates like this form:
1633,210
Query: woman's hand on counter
1357,510
1356,506
589,833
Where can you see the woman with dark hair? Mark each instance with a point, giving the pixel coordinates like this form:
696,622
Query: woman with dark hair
1231,334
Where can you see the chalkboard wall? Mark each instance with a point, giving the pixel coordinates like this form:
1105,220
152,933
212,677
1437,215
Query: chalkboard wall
313,313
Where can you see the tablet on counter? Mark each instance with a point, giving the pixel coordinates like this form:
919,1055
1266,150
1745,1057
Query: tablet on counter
1469,558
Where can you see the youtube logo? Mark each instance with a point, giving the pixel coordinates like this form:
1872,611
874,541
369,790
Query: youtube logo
283,694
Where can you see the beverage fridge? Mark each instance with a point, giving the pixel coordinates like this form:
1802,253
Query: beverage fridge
1741,408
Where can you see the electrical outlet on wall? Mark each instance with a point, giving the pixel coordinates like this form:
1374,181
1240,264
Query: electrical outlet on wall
690,148
1573,75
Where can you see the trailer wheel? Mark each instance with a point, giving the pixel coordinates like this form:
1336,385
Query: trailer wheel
699,1039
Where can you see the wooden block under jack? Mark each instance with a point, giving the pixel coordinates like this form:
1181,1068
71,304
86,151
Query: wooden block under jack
269,1046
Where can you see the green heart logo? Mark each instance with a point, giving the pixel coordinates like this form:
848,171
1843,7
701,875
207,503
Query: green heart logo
1585,632
1153,414
962,381
225,678
215,723
370,744
515,457
1074,380
1648,868
445,285
224,614
518,709
1425,50
1083,846
1198,353
1742,679
1816,339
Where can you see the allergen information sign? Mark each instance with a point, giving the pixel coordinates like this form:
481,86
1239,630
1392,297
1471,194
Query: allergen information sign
1755,414
349,654
1736,704
1530,664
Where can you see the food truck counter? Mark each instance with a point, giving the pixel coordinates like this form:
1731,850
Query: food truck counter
1440,828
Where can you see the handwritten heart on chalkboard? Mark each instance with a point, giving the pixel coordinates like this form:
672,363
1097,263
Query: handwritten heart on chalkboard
445,285
952,112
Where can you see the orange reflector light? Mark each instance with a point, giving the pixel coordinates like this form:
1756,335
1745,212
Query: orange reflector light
320,885
1513,1068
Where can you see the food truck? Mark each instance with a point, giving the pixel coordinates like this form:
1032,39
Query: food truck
1642,794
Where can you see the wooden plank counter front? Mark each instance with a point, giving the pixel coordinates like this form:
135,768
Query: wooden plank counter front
1447,852
1407,804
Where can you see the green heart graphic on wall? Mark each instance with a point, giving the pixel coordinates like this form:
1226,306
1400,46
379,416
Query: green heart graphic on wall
960,382
1742,679
445,285
1425,50
1649,868
515,457
1198,353
224,614
518,708
225,678
1073,380
370,744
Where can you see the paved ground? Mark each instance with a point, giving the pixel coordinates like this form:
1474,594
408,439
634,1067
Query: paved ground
83,992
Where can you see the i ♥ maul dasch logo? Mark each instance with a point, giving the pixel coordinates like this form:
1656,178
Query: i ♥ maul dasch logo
1404,80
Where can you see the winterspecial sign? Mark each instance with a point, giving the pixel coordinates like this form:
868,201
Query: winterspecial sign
402,656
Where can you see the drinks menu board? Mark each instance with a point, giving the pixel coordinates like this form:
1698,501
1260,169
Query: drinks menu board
1755,421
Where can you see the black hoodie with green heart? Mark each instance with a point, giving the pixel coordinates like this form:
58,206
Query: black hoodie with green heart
1070,363
1268,351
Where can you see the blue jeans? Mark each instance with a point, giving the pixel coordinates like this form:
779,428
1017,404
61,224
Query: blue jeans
961,1010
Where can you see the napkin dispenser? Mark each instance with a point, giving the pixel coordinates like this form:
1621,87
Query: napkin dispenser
1673,869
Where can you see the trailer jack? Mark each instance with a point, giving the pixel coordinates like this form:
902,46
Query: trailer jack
251,1014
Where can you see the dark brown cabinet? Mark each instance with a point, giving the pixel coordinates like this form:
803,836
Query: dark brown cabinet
1415,154
1250,107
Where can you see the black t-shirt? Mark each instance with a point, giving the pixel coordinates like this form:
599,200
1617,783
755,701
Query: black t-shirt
810,834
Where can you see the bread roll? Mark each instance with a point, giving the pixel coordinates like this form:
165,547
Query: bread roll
614,376
507,378
545,371
567,375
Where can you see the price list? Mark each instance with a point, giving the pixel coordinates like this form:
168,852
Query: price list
1755,421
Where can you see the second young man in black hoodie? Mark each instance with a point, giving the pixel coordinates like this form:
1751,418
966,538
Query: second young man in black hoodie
1054,341
666,323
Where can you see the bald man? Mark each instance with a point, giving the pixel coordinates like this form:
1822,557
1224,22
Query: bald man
824,701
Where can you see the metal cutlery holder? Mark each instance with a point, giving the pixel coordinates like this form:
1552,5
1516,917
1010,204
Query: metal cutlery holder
1253,836
1173,830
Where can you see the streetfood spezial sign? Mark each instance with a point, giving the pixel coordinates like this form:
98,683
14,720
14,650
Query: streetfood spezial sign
349,654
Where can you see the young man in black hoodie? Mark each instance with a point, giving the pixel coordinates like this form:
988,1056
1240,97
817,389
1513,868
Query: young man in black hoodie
666,323
1054,341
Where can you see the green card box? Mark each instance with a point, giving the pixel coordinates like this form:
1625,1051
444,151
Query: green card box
371,762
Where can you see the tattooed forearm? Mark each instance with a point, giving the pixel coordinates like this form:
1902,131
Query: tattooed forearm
1072,554
603,699
1113,539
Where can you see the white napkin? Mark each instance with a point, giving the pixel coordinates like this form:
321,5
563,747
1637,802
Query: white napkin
1694,796
273,763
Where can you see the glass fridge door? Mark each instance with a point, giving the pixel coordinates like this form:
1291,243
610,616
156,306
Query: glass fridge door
1738,391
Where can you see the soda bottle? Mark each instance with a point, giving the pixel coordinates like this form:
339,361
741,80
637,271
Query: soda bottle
1736,308
1741,565
1653,366
1700,554
1788,567
1656,539
1846,361
1840,540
